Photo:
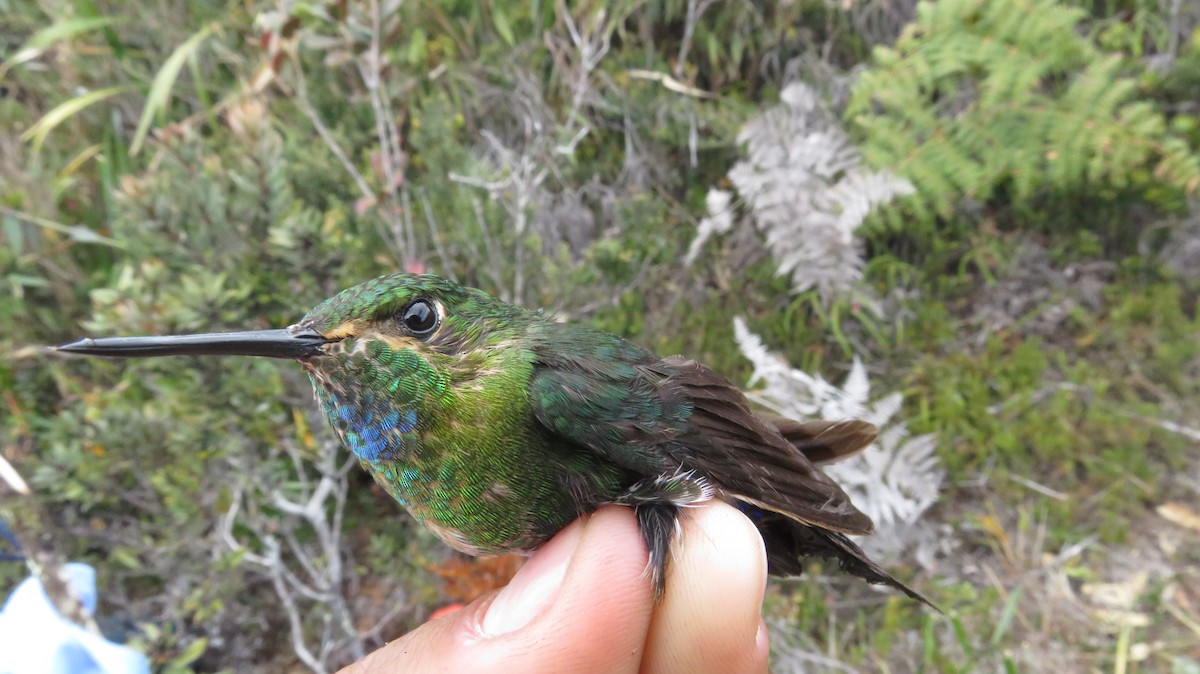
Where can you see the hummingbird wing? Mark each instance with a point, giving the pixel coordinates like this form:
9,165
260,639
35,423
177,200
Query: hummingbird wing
610,406
752,460
654,416
674,417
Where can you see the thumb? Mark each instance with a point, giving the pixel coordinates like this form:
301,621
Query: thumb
581,604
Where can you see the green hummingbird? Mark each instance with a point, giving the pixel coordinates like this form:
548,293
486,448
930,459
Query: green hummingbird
496,426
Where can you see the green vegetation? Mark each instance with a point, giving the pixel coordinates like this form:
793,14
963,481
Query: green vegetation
185,166
1006,103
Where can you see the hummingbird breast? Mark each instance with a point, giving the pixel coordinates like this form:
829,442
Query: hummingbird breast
458,446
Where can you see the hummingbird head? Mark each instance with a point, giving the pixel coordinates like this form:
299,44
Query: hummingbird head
383,356
396,349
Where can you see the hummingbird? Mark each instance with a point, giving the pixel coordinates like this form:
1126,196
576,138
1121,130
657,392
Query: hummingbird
495,426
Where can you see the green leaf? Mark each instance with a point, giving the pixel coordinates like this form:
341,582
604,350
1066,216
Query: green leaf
153,632
47,36
79,233
64,111
160,88
12,233
190,654
126,558
28,281
502,26
960,635
84,234
1006,617
416,47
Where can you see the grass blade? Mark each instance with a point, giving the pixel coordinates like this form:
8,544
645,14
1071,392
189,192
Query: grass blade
51,34
76,233
1006,617
64,111
88,8
160,88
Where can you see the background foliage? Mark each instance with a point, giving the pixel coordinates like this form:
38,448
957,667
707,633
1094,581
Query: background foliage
640,165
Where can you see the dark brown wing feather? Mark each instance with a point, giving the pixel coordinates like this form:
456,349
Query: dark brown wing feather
824,441
790,543
752,460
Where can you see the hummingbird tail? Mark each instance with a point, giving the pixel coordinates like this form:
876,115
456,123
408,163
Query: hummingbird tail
789,542
656,502
822,441
658,522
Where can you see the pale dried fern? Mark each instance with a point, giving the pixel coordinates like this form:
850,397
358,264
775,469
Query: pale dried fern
804,187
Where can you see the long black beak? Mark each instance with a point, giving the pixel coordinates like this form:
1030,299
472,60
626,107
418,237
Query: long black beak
287,343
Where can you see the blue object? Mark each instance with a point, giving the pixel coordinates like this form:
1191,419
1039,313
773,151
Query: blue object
7,535
35,639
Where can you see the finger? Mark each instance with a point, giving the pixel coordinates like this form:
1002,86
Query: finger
580,605
710,618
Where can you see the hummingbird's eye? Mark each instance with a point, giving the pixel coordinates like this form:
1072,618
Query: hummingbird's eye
419,318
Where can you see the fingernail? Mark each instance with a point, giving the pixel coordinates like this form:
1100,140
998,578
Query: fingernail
535,586
762,646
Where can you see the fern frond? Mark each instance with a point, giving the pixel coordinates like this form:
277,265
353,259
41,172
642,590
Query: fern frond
803,189
981,93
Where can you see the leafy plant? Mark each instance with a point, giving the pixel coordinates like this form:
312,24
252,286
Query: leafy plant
989,101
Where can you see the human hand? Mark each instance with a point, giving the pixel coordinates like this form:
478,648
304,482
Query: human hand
582,604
